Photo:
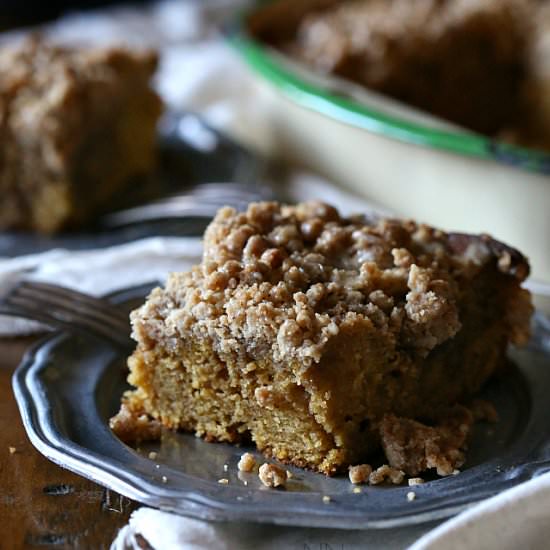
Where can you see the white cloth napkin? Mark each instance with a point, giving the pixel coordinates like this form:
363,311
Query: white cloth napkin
166,531
517,518
200,73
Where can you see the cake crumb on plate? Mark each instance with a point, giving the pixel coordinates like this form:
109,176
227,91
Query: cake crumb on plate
272,475
415,481
360,473
386,472
246,463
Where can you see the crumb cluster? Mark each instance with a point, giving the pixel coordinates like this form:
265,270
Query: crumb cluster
360,473
386,473
272,475
133,426
415,447
363,473
246,463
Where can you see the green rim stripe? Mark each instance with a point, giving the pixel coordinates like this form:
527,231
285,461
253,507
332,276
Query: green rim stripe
346,110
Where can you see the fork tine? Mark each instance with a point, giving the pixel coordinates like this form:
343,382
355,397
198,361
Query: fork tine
72,306
219,191
216,195
153,212
257,192
67,308
70,315
179,206
28,298
69,320
99,305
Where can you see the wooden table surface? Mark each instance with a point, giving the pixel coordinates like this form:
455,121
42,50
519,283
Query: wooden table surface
42,505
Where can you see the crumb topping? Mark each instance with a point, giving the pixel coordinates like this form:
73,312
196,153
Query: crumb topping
281,281
370,29
40,69
397,47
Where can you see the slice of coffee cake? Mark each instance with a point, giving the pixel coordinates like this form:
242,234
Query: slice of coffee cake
302,330
466,61
76,126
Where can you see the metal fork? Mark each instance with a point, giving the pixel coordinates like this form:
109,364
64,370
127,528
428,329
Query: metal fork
68,309
199,201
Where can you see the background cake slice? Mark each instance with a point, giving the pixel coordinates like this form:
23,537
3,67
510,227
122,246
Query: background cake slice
466,61
76,126
301,330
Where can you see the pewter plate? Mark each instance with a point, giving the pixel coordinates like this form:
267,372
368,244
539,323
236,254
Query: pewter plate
69,385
